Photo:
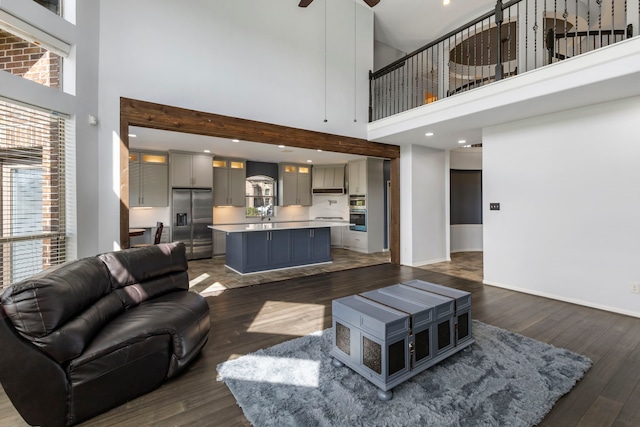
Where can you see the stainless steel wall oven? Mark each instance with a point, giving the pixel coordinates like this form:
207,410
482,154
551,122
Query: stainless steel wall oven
359,218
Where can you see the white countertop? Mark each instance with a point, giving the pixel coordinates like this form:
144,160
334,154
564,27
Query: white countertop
262,226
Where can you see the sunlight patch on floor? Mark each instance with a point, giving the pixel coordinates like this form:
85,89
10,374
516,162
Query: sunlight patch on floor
264,322
279,372
201,278
213,290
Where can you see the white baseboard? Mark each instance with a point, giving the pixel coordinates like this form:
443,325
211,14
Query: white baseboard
562,298
433,261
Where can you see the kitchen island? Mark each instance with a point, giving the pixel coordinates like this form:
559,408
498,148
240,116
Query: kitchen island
256,247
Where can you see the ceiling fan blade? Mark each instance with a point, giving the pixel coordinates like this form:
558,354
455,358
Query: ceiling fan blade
305,3
372,3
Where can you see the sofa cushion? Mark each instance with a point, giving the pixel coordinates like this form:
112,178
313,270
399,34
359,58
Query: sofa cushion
132,295
40,304
69,340
141,264
182,315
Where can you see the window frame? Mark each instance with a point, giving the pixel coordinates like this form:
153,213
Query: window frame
267,200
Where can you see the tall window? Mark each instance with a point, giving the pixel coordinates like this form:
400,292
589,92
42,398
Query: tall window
32,191
260,195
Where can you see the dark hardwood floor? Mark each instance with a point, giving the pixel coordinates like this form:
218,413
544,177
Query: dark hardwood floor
247,319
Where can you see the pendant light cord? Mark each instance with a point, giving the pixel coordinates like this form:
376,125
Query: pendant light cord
355,63
325,61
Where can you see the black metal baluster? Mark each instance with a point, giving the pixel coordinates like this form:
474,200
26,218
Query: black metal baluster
575,38
599,3
565,15
509,35
482,49
498,15
535,35
526,35
475,53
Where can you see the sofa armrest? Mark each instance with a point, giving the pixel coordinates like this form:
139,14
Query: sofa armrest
36,385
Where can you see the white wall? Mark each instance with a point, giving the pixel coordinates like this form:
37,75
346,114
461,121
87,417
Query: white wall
423,205
466,237
384,55
87,160
568,187
255,59
466,159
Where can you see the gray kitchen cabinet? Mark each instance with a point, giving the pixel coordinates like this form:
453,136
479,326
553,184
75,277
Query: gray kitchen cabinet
295,185
148,179
191,170
219,242
358,177
229,182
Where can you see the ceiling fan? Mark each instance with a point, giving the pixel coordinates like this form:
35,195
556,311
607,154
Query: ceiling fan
371,3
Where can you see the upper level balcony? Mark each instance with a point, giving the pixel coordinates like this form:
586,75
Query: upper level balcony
538,41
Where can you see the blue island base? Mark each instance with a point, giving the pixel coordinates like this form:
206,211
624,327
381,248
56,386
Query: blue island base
256,251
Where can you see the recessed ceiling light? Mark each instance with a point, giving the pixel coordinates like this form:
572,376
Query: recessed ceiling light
235,140
462,141
309,161
428,134
207,151
281,146
446,2
133,135
319,151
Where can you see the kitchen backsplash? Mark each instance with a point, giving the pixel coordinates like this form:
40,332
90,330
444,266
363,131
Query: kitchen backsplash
229,215
329,205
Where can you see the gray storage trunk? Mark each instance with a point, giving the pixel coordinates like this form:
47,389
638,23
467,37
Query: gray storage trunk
391,334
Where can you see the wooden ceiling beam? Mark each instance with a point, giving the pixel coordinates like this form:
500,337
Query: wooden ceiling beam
157,116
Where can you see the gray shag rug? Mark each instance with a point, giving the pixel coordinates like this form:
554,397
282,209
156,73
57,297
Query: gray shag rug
503,379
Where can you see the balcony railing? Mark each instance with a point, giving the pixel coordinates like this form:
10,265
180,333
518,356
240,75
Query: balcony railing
515,37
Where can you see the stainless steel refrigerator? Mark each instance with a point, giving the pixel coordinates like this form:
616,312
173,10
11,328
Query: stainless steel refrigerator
192,212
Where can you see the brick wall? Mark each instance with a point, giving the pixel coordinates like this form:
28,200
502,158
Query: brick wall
32,62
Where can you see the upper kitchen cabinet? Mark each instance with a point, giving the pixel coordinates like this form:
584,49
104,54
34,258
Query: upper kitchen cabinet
295,185
328,179
358,177
229,182
191,170
148,179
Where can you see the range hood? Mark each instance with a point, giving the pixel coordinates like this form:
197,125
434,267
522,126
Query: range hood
327,190
328,179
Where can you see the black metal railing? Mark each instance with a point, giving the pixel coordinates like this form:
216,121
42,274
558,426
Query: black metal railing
517,36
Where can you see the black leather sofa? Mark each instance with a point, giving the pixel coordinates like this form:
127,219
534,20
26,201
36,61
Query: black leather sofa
89,335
